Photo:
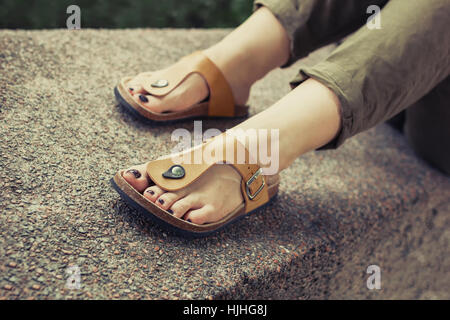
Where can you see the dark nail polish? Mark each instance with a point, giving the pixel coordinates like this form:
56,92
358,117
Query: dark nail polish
189,220
170,211
136,173
151,192
161,201
143,98
131,89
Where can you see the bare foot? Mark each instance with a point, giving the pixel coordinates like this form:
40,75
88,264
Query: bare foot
211,197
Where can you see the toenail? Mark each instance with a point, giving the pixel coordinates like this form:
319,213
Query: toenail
161,201
151,192
170,211
136,173
131,89
143,98
189,220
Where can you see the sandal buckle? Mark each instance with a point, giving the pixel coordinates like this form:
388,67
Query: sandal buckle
250,181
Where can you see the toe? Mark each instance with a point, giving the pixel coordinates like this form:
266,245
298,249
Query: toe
152,193
136,89
180,207
190,92
134,85
137,177
199,216
148,101
166,200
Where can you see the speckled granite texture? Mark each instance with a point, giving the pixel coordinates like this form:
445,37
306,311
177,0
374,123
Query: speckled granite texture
63,137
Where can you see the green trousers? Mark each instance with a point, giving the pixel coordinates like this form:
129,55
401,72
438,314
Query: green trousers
403,62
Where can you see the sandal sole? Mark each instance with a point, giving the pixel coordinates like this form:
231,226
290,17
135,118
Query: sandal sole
178,231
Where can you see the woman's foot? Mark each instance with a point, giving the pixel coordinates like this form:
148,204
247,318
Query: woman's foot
242,57
197,203
215,194
191,91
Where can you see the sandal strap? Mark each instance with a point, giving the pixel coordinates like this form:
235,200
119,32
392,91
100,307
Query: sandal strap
253,186
221,100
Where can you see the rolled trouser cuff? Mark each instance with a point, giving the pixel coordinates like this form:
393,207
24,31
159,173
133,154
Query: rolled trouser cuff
311,24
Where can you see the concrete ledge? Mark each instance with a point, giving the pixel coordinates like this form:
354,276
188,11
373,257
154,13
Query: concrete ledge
370,202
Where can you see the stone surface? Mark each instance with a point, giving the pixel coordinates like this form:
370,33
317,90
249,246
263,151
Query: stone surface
63,137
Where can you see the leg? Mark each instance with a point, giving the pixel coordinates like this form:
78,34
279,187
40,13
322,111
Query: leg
378,73
427,126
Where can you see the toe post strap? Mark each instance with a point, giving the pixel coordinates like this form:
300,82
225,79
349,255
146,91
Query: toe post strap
171,174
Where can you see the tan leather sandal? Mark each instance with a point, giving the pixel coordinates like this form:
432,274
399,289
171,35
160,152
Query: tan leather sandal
171,176
220,103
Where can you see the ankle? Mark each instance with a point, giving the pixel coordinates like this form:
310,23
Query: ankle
234,70
250,51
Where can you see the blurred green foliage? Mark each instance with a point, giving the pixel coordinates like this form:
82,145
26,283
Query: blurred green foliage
43,14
